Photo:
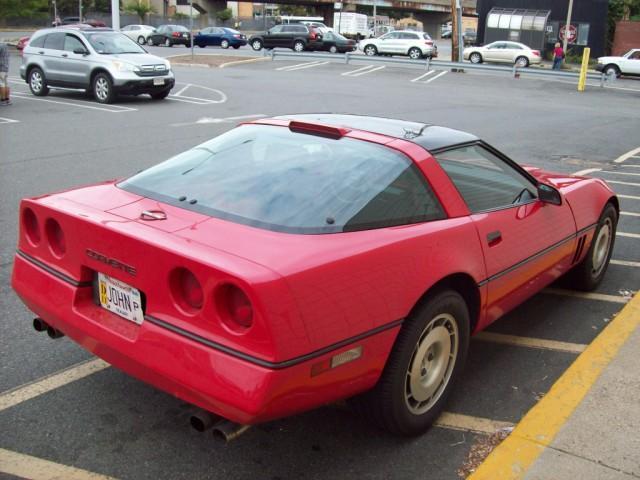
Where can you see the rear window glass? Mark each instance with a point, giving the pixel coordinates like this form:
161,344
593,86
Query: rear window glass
38,41
272,178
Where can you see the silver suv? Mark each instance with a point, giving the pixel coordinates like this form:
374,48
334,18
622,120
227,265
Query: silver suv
104,62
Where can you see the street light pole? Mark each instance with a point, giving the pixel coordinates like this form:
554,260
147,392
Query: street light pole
566,29
375,17
115,14
191,26
80,11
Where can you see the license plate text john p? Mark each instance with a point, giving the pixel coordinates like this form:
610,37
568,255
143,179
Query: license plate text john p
120,298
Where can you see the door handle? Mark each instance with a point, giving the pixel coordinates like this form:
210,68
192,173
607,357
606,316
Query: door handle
494,238
65,55
41,52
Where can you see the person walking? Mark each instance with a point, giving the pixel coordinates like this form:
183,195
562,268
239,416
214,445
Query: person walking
4,72
558,56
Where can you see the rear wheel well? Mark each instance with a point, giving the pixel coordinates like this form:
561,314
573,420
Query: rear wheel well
462,283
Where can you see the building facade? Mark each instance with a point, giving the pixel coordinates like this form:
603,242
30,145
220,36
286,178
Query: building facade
588,23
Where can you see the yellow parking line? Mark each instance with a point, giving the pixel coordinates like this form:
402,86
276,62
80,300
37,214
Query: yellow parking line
26,466
513,457
587,295
43,385
529,342
456,421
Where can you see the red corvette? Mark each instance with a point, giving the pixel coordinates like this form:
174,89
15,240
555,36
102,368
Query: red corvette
295,261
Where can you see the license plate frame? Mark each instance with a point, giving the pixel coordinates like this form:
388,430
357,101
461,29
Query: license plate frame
120,298
158,81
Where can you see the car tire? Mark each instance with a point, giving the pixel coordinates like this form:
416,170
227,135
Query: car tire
256,44
415,53
103,88
38,82
160,95
426,360
141,40
236,47
150,42
224,43
588,274
475,57
522,62
610,70
333,49
370,50
201,45
167,43
298,46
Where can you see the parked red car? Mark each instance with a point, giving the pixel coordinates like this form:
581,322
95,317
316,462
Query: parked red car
22,42
295,261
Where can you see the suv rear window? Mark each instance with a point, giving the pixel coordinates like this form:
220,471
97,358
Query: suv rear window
272,178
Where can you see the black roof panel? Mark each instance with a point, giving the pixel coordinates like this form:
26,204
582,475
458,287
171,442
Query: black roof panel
431,137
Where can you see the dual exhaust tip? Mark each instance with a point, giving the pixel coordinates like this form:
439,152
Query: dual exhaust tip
40,325
223,430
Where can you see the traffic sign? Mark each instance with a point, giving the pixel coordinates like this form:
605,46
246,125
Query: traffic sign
570,32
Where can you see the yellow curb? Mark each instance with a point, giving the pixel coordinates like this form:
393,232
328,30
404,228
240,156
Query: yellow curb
517,453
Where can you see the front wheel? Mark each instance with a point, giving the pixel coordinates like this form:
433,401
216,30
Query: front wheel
38,83
103,88
612,71
475,57
224,43
415,53
141,40
370,50
167,43
150,42
298,46
426,360
522,62
333,49
588,274
256,45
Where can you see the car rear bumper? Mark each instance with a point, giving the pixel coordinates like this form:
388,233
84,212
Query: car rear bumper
215,379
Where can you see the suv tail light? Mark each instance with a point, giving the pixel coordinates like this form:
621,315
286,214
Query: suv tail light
312,35
429,42
175,34
234,307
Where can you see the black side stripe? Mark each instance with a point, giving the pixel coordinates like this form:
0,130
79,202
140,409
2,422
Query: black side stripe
53,271
265,363
536,255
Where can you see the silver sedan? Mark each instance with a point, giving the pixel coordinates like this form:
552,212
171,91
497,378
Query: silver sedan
503,52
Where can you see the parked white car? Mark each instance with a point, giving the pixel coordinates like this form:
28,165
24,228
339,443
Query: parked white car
138,33
627,64
401,42
503,52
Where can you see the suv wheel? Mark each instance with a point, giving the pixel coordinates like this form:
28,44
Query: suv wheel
224,43
415,53
141,40
103,88
167,43
370,50
37,82
150,41
256,44
298,46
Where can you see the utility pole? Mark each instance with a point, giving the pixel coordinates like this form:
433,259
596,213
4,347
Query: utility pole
191,26
80,11
375,16
115,14
566,29
454,31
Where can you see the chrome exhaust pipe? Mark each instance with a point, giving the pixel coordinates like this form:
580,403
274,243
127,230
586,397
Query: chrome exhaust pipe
203,420
227,431
54,332
39,325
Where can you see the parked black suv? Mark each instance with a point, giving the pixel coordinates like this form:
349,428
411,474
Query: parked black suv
298,37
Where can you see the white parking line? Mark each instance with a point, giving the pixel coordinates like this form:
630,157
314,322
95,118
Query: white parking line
436,77
457,421
177,94
298,66
627,155
625,263
630,197
627,235
8,120
539,343
624,183
622,173
587,295
205,120
630,166
306,66
630,214
87,105
417,79
586,171
363,71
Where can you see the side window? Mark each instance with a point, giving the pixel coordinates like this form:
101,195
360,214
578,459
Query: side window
635,55
38,42
71,42
485,181
276,29
206,31
54,41
218,31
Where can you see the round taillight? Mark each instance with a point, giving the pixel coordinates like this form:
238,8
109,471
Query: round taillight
234,307
186,290
30,226
55,237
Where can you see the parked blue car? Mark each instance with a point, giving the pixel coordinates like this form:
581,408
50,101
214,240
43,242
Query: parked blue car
220,36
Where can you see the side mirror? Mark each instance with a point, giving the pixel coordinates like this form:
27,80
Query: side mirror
548,194
81,51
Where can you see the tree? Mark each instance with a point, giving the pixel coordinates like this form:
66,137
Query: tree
620,10
224,15
23,8
142,9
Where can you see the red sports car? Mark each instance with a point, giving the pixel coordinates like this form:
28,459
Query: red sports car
298,260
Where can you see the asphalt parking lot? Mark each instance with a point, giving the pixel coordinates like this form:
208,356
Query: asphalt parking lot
56,408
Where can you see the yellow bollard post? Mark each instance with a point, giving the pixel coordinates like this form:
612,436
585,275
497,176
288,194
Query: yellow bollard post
583,69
